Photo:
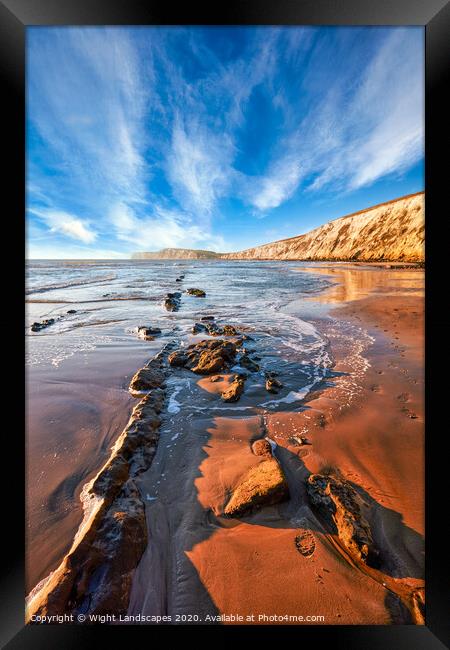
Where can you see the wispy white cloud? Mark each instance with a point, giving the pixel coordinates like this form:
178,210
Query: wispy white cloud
150,132
165,228
356,133
280,183
199,165
67,224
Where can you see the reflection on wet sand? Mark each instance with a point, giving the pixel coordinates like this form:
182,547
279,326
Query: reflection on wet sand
356,282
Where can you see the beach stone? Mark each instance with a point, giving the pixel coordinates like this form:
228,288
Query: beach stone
37,327
343,508
196,292
234,390
199,328
72,311
147,333
207,318
305,542
263,485
262,447
172,301
273,385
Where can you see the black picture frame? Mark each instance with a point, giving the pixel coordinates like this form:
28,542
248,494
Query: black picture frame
434,15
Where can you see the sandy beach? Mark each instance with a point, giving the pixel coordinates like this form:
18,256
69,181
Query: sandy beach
355,432
197,561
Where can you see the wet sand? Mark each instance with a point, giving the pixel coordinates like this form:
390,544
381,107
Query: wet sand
74,414
366,427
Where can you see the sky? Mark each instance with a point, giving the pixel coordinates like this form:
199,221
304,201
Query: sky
219,138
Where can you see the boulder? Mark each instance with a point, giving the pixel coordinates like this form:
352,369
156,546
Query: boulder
263,485
343,509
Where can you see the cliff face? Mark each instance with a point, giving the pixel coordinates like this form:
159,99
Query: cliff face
391,231
176,254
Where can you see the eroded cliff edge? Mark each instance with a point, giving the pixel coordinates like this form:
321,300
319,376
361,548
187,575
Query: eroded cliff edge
392,231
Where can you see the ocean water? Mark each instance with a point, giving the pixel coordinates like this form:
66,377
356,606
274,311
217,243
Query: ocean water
112,298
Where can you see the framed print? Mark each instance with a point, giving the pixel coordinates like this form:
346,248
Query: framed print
232,417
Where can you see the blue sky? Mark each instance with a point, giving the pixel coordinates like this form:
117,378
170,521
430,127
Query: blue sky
220,138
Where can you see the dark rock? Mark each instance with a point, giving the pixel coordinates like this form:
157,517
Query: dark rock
229,330
177,359
343,508
148,333
37,327
72,311
234,390
207,318
172,301
205,357
196,292
199,328
273,385
149,377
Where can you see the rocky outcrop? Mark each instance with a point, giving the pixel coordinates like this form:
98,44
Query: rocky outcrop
389,231
95,575
263,485
206,357
147,378
343,508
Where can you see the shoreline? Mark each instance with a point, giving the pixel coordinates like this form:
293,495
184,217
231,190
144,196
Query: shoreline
320,417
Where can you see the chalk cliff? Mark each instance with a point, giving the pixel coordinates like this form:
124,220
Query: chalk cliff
392,231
